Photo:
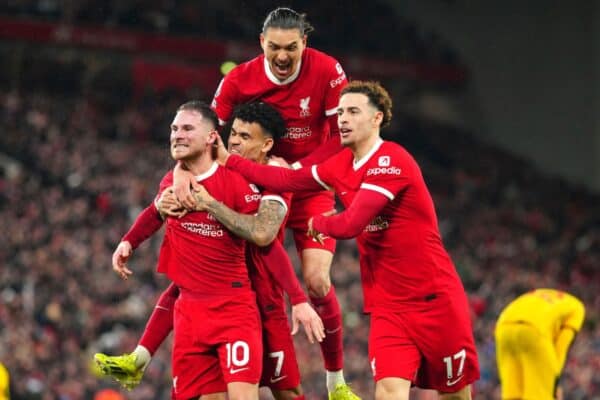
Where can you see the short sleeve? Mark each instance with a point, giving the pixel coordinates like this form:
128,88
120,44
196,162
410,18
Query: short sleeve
335,83
225,97
165,182
247,195
387,174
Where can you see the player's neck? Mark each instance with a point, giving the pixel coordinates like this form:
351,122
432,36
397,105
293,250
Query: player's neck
199,165
363,147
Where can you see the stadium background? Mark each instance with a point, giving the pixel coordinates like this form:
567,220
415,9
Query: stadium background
498,103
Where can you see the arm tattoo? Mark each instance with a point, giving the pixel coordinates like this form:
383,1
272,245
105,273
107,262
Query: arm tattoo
261,228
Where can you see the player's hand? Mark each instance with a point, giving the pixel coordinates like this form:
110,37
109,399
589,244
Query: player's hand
558,394
202,198
120,258
279,161
168,205
303,314
221,151
183,184
314,234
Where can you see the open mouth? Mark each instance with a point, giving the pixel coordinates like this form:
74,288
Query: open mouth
282,69
345,132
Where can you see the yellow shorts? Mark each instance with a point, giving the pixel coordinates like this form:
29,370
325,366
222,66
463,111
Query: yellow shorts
527,362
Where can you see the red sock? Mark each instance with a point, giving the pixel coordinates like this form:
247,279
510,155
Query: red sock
160,323
329,310
301,397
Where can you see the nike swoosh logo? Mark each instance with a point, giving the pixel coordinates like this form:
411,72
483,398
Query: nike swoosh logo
454,382
273,380
334,330
236,370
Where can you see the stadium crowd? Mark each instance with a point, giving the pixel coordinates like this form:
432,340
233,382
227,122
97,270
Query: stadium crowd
214,19
74,175
77,165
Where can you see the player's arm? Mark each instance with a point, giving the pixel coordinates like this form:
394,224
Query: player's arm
275,258
322,153
276,179
367,204
260,229
145,225
571,325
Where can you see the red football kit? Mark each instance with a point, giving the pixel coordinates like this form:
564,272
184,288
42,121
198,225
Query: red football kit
270,271
307,101
217,331
420,325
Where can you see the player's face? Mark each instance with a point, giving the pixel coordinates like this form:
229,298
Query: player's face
249,141
189,135
358,120
283,50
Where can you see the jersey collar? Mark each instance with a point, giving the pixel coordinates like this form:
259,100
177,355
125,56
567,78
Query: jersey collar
207,174
274,79
357,164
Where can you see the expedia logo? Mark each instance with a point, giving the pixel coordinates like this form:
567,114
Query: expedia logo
384,171
252,197
378,224
337,81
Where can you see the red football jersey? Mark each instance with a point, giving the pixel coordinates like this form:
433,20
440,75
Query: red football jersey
305,100
402,257
198,253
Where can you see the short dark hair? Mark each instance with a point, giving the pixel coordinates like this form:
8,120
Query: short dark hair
263,114
378,97
203,108
286,18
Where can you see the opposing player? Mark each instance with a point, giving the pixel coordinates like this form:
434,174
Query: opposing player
533,336
303,84
4,383
420,327
255,125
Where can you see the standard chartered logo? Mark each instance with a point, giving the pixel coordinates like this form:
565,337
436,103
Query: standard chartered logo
203,229
297,132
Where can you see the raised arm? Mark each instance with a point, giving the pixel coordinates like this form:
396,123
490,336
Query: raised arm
260,229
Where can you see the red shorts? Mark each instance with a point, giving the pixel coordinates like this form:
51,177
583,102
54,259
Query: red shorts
304,206
433,347
216,341
280,368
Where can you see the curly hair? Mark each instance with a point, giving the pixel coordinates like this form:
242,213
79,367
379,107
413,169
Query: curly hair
263,114
286,18
203,109
378,97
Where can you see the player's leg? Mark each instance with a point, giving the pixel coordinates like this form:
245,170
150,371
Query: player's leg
462,394
316,262
316,265
393,356
128,369
195,367
238,335
510,369
392,389
540,364
280,368
441,328
214,396
242,391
